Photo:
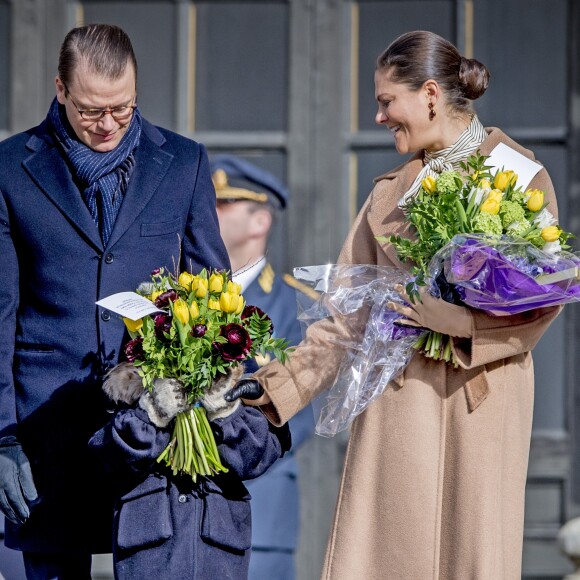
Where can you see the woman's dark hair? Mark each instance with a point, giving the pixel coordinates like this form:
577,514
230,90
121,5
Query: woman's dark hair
416,57
104,48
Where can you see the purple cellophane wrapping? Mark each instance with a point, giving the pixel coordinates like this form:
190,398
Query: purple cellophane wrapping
500,275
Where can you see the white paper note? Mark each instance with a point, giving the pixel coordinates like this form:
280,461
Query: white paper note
504,157
129,304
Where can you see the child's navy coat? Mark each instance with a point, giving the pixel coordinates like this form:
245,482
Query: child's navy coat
170,527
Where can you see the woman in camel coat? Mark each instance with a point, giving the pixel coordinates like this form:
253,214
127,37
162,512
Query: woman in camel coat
435,470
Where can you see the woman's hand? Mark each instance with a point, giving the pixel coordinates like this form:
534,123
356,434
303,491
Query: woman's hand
434,314
250,391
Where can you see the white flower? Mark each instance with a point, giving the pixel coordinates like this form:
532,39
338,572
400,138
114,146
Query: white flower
145,288
552,247
477,193
544,219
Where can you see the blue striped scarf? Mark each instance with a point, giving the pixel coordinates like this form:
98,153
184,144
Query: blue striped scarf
104,177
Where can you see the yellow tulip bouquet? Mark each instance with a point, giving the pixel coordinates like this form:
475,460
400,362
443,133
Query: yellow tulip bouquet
203,329
483,242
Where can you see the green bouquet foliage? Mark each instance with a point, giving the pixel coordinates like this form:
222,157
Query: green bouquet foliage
203,328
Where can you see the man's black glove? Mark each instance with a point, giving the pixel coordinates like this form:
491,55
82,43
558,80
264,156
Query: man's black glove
16,485
245,389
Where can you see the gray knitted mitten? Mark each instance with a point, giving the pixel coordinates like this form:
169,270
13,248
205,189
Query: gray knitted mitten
213,401
123,384
165,401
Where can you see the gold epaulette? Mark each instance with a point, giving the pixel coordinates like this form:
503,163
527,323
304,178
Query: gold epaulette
266,278
304,288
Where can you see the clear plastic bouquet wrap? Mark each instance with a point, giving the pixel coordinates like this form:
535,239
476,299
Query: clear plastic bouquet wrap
376,350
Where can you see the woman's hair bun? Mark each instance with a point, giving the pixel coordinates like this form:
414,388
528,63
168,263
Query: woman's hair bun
473,78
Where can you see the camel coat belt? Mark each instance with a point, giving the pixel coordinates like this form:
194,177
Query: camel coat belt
435,471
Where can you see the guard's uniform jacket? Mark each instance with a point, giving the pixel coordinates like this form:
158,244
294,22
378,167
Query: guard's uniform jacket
275,495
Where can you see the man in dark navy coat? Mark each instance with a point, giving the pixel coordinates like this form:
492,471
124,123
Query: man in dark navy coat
91,201
249,201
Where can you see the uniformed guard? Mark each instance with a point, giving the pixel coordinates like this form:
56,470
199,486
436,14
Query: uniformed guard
249,202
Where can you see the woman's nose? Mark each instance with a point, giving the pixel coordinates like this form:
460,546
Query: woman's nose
380,117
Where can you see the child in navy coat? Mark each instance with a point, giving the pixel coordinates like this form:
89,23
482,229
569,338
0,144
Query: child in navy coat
168,526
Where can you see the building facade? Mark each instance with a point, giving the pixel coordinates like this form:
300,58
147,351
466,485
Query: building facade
288,84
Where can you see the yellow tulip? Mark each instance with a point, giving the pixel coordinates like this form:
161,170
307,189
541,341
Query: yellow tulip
181,311
429,184
550,233
229,302
490,205
155,294
484,184
234,287
536,199
495,194
216,283
185,279
241,305
201,287
504,178
213,304
133,325
193,310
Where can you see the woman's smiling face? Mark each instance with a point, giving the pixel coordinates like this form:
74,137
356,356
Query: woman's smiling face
405,112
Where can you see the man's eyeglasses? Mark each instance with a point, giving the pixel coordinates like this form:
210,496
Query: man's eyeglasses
120,113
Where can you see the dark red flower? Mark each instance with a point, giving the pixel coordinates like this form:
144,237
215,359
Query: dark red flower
163,299
249,310
155,272
238,343
162,325
134,349
198,330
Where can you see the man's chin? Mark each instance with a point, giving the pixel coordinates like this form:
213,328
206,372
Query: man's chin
103,145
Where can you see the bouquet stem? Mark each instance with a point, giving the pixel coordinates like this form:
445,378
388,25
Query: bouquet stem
436,346
192,449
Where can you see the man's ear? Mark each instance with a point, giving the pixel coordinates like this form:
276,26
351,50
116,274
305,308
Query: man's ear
261,222
60,90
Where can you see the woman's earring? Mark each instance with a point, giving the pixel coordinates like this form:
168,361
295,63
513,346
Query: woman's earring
432,113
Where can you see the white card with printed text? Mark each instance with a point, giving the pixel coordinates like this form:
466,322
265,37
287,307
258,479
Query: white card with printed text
129,305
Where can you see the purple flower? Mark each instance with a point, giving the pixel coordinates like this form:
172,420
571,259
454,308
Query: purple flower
198,330
155,272
162,325
134,349
249,310
238,343
163,299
